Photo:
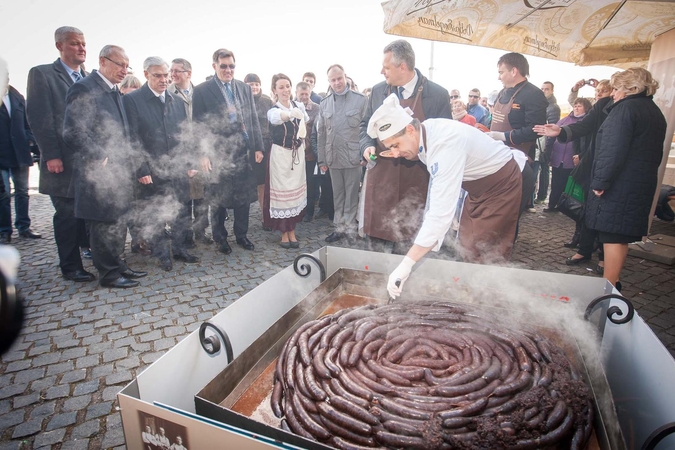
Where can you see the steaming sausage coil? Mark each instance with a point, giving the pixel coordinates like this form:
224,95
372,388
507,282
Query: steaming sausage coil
429,376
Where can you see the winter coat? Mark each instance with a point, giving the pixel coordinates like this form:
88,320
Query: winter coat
627,157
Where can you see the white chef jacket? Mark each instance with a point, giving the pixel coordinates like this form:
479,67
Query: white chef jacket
455,152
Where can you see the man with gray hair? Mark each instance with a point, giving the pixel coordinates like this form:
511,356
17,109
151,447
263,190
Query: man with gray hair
395,190
340,114
96,129
45,108
156,120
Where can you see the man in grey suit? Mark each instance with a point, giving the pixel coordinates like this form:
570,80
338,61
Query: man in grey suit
45,108
224,115
95,128
156,120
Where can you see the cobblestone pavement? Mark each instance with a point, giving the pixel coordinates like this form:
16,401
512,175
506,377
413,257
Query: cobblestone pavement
82,344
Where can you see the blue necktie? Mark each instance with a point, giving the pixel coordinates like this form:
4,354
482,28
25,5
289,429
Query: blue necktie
186,92
76,76
400,92
230,95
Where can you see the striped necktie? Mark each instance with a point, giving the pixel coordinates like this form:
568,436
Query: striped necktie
76,76
230,95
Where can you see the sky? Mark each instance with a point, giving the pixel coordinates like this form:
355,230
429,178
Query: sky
266,36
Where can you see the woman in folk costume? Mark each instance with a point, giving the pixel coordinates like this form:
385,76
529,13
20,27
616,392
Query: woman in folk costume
285,182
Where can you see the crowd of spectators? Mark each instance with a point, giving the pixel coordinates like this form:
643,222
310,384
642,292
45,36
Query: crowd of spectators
165,159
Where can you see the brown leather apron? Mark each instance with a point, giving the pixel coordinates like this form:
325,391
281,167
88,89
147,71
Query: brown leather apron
396,190
487,227
500,122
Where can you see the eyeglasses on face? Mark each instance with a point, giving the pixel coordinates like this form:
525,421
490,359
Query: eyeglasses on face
178,71
160,75
227,66
123,66
474,96
454,96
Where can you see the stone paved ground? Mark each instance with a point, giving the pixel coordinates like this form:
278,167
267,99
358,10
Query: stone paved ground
82,344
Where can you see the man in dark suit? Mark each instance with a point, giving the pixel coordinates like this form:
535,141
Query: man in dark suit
46,105
16,147
96,130
223,109
156,118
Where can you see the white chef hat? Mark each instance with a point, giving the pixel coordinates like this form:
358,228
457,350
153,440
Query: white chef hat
389,119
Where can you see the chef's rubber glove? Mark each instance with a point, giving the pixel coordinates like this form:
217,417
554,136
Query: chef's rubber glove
497,135
401,273
297,114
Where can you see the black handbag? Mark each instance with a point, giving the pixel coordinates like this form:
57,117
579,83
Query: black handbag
571,201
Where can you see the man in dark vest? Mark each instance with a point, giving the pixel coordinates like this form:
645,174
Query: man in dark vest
395,213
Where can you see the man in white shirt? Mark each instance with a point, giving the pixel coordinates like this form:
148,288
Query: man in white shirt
456,157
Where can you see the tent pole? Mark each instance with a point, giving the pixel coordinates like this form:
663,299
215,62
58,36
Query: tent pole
431,64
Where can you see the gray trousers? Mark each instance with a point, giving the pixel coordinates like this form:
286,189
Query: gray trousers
345,197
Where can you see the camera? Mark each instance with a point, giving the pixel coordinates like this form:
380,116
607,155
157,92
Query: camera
11,304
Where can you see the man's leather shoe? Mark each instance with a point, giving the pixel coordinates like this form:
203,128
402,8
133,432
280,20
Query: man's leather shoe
86,253
5,238
571,261
79,275
134,274
28,233
225,248
165,264
550,210
120,282
245,243
182,255
334,236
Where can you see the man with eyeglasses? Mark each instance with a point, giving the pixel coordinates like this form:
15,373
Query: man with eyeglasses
223,110
473,107
45,108
156,120
182,88
96,130
395,190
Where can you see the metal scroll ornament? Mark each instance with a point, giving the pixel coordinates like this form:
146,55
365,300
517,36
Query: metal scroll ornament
305,269
211,344
612,311
658,435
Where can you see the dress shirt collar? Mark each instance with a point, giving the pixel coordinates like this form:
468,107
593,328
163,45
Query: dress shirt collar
110,85
409,87
157,94
69,70
7,103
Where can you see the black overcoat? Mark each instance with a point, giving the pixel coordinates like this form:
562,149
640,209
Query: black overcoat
629,149
161,135
45,109
14,149
95,129
232,156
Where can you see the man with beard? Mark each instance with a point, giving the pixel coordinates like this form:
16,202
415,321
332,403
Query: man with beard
45,108
224,108
96,130
156,119
395,213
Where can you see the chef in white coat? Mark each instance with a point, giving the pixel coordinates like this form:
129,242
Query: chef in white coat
457,156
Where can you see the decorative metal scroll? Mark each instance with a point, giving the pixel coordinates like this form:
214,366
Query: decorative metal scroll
612,311
211,344
305,269
658,435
